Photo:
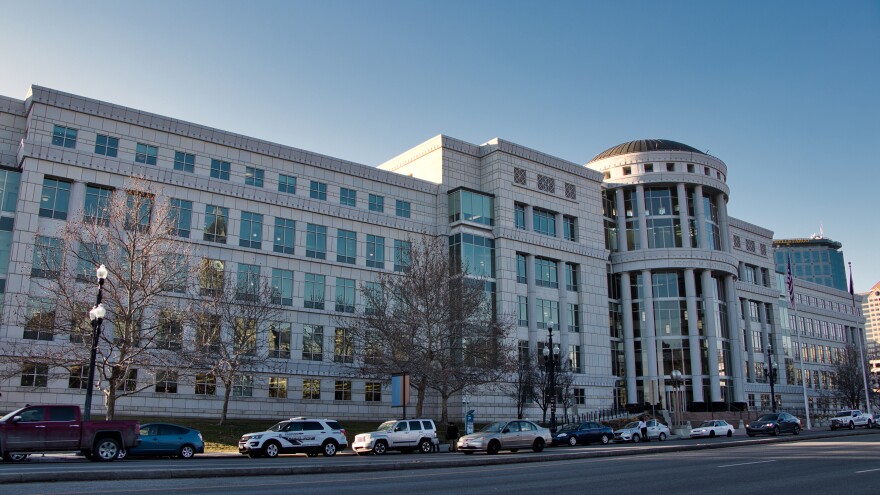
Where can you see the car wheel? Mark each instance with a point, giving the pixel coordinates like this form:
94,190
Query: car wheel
186,452
425,446
493,447
14,457
797,430
329,448
538,445
572,440
636,438
775,431
605,440
380,448
106,449
711,433
122,454
852,426
271,449
662,436
729,433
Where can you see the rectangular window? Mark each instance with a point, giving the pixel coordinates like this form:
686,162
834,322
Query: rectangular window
287,184
314,294
373,392
346,246
569,227
546,312
279,340
220,169
282,287
284,238
181,216
211,275
311,389
345,295
9,185
244,337
343,346
47,258
64,136
144,153
313,343
97,205
34,375
402,252
185,162
254,176
139,208
580,397
216,220
251,235
471,206
318,190
79,377
375,251
574,318
248,282
206,384
347,197
571,277
402,209
39,323
106,145
377,203
129,383
519,215
243,386
169,335
545,273
343,390
574,358
166,382
316,241
521,275
55,199
522,309
277,387
544,222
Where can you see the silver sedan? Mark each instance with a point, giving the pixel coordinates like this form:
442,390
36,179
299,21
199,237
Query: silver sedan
506,435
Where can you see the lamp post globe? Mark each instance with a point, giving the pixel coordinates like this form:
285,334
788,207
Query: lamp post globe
96,315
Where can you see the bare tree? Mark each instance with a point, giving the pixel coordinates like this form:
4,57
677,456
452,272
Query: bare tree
521,387
432,320
562,378
132,232
231,321
848,380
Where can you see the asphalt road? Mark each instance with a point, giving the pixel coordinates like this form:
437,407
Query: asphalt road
846,465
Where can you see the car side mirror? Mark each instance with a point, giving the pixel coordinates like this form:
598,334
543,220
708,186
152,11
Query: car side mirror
16,419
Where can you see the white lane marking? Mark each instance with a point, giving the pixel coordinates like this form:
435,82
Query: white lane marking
867,471
746,463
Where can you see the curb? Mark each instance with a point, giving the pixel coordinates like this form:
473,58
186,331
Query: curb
410,462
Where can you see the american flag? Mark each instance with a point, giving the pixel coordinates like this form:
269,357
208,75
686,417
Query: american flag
789,283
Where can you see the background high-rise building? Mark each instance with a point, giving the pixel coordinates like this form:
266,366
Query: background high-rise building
871,311
817,259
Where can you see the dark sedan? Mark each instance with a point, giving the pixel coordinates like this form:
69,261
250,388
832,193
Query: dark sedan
160,439
583,433
774,424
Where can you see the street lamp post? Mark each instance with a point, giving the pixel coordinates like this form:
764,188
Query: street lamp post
677,382
97,316
551,358
771,372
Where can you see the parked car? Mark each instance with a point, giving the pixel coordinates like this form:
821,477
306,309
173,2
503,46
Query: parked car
850,418
60,428
712,429
632,433
405,435
506,435
876,418
166,439
774,424
296,435
583,433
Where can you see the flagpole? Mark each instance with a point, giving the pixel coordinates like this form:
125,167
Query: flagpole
789,282
858,336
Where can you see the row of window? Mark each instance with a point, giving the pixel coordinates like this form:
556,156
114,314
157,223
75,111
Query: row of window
545,184
567,362
220,169
670,167
167,382
544,222
547,313
546,272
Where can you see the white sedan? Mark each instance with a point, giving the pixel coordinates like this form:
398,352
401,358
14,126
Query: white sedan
712,429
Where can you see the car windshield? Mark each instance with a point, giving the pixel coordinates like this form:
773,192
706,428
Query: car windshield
842,414
494,427
634,424
706,424
10,415
769,417
278,427
386,426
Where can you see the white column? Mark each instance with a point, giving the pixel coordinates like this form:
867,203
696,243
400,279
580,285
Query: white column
690,289
723,225
649,337
709,315
702,238
736,341
620,204
563,308
750,348
629,353
683,215
529,218
643,216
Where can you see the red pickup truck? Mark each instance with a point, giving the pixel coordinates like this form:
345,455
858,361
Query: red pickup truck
54,428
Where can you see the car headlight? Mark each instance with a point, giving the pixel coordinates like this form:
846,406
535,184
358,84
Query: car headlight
255,437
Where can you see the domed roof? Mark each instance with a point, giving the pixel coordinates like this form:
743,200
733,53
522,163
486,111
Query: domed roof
643,145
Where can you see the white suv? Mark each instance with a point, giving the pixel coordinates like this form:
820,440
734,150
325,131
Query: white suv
296,435
404,435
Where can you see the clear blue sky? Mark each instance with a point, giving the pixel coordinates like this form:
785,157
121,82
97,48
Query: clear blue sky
785,92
